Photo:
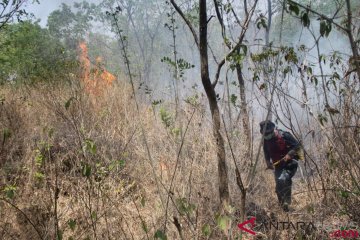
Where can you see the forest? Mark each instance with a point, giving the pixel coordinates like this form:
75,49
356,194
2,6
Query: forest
142,119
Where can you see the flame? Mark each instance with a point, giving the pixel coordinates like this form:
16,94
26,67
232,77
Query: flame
97,79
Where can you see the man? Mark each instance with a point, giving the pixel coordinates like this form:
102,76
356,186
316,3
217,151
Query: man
282,149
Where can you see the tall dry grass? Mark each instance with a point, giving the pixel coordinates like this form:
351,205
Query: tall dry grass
78,166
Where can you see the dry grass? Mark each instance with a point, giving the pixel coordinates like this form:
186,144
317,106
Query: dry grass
91,162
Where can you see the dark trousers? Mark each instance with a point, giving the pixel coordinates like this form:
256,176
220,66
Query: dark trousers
283,176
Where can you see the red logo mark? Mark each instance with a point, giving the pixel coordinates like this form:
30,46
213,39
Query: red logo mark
252,222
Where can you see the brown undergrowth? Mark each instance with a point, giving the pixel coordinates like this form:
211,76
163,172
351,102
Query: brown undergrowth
78,166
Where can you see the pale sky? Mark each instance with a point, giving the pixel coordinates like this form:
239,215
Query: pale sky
42,10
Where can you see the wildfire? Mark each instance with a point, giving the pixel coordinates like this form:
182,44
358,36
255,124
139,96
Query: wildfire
95,79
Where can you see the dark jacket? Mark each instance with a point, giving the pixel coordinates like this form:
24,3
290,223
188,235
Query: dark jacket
278,146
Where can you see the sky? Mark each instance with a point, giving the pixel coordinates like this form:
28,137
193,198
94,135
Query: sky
42,10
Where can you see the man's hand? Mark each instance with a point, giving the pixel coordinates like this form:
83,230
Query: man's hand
287,157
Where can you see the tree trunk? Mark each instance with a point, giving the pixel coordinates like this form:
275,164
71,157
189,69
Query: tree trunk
244,112
353,44
266,71
214,108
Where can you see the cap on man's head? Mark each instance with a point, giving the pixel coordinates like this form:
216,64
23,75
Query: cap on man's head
270,126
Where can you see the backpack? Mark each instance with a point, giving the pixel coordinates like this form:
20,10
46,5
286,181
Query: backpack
279,135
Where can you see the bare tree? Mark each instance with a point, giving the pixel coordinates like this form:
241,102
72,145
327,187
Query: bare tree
237,64
201,41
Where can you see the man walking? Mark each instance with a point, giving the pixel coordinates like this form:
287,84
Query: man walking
281,153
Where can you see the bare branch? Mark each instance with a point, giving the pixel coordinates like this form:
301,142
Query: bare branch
245,8
320,15
353,44
221,21
10,8
241,38
235,15
188,23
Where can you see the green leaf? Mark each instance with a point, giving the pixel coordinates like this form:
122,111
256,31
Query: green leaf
244,48
309,70
287,70
143,201
344,194
294,8
328,29
233,99
6,134
322,119
2,99
227,7
314,80
86,171
206,230
262,86
39,176
325,28
223,222
94,215
322,58
261,23
176,131
160,235
166,117
322,28
305,19
90,146
311,209
72,224
121,163
156,102
144,226
39,158
184,206
68,102
59,235
10,191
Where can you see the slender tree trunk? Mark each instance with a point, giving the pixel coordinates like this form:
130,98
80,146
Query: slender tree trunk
354,47
244,112
214,108
176,77
229,100
267,43
268,27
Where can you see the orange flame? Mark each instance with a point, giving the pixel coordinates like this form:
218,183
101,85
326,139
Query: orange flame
96,80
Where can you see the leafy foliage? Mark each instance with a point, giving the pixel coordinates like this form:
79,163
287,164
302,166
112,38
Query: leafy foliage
206,230
261,22
90,146
72,224
180,65
28,53
70,26
325,28
223,222
184,206
9,191
86,170
166,117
